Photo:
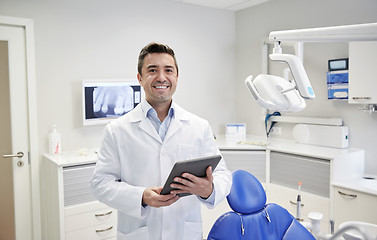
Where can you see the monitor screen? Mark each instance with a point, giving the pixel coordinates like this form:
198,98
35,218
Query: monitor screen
105,100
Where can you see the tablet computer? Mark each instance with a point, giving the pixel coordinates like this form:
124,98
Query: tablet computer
197,167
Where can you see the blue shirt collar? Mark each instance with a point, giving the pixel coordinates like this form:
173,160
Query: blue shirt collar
148,109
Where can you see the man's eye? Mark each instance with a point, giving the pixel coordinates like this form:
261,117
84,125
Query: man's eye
152,70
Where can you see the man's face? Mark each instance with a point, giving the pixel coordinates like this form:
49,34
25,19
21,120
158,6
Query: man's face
159,78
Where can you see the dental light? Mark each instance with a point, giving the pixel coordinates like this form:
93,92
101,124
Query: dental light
279,94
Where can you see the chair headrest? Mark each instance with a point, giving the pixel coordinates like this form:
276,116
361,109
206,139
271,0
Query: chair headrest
247,194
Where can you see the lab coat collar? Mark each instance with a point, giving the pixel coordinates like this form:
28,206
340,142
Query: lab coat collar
139,114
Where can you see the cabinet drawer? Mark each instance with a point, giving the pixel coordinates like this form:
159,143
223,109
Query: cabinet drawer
350,205
102,231
76,180
87,215
289,169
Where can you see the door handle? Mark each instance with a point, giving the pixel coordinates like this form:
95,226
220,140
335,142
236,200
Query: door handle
19,155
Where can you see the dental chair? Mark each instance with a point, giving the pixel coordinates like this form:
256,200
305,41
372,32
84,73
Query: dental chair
252,218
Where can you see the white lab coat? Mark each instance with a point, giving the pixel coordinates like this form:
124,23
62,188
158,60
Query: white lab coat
133,157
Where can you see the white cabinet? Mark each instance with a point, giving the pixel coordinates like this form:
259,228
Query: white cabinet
351,205
92,220
317,168
70,211
362,72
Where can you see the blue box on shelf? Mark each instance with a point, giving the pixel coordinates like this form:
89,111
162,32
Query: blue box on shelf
335,77
337,91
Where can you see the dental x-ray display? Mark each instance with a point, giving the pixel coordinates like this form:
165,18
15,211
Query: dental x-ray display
104,100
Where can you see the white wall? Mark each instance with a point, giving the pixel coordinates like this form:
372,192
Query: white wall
216,50
252,28
101,39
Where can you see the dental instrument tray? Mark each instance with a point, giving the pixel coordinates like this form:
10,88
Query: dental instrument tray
197,167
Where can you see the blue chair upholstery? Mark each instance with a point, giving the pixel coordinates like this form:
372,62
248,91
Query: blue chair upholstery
252,219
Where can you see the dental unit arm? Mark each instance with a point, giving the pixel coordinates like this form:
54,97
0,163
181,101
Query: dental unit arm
299,74
279,94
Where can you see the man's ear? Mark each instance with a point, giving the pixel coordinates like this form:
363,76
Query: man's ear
139,79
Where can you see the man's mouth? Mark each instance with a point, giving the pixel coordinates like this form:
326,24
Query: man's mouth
161,87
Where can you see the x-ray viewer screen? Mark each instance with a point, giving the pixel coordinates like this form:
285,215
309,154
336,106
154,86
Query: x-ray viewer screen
104,101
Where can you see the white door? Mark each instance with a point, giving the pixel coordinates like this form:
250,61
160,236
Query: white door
16,220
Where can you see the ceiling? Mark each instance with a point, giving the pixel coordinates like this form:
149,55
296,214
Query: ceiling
233,5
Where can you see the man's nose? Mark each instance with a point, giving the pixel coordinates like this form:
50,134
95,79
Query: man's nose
161,76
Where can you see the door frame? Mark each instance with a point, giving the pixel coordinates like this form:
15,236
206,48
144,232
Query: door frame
28,26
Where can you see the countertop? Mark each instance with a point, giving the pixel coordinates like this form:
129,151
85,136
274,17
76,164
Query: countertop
281,145
355,182
72,158
360,184
249,143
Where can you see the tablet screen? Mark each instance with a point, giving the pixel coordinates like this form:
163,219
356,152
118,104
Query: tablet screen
197,167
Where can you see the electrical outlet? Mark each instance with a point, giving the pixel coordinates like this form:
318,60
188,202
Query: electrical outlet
276,130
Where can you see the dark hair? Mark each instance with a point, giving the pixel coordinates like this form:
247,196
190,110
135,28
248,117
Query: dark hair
154,48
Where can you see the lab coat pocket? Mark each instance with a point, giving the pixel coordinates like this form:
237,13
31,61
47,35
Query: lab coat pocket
192,231
186,152
139,234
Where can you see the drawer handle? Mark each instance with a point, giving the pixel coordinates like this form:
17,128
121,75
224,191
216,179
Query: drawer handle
296,203
361,98
104,230
103,214
347,194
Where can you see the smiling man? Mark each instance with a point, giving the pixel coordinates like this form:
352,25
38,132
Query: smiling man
158,74
139,150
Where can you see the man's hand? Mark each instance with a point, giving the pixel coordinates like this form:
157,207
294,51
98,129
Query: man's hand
152,197
202,187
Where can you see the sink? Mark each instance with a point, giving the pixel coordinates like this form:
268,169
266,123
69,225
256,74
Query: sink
370,230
